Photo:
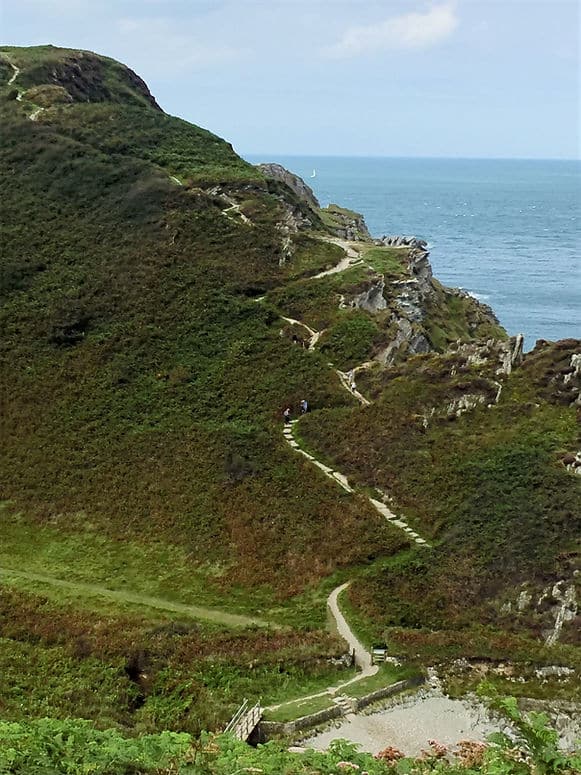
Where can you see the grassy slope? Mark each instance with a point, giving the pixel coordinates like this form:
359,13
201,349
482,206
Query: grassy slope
143,389
488,488
141,441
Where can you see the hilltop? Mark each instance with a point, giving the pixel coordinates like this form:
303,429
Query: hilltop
163,301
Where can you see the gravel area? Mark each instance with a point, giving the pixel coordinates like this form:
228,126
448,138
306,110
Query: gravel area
408,725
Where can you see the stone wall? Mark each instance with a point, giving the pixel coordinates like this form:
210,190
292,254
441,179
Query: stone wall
269,729
388,691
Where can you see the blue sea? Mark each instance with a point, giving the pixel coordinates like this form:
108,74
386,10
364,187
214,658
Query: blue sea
507,231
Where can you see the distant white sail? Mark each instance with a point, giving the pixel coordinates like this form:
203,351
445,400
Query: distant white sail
314,175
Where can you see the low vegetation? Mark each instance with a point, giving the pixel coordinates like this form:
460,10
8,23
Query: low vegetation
75,747
143,461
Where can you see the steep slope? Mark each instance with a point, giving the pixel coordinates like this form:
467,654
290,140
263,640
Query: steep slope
156,290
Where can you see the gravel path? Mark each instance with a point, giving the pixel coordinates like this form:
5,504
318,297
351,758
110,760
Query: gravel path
362,656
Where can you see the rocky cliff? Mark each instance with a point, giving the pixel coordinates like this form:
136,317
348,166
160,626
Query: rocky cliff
296,184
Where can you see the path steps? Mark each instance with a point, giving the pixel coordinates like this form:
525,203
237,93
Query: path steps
343,482
344,702
351,257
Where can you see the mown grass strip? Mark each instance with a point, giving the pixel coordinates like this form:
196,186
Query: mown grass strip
195,612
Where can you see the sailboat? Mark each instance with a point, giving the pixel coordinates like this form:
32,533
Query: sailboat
314,175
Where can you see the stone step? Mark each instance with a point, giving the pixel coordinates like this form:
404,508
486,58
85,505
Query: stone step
344,702
342,481
323,467
382,508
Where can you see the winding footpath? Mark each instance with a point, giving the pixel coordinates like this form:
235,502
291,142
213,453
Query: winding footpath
21,92
352,258
348,383
361,655
362,658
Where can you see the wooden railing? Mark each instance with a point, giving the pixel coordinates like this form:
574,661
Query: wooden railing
244,720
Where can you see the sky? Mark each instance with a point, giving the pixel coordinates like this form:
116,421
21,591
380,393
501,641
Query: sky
451,78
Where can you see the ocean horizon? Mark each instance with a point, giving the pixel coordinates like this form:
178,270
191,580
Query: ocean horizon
505,230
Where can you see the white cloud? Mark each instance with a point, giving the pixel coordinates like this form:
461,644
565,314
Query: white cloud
411,30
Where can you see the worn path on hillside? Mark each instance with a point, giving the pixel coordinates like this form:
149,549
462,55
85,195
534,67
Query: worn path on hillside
351,258
348,383
379,505
362,656
135,598
21,92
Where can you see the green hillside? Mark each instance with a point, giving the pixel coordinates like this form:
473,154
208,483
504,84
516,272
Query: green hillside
148,492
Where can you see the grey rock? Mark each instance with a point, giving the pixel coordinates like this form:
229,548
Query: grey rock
372,299
401,241
294,182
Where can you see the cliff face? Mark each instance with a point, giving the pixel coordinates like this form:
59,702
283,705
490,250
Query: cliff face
296,184
78,76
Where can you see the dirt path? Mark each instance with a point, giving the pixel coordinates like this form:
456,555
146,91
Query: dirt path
13,77
349,384
21,92
93,590
15,74
351,258
234,207
362,656
314,335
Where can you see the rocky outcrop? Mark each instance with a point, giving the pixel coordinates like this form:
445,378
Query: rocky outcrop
555,368
371,299
294,182
564,608
556,605
341,222
87,78
572,378
500,356
399,242
346,224
413,292
484,308
408,340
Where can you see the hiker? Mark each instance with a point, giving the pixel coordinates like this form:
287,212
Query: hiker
351,378
287,415
304,407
